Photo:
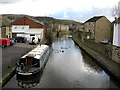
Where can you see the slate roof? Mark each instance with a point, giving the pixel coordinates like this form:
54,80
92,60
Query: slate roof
94,19
36,21
33,23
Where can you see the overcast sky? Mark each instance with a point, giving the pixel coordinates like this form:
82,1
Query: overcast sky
78,10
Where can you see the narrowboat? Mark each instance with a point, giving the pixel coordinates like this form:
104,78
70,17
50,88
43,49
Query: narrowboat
33,62
29,82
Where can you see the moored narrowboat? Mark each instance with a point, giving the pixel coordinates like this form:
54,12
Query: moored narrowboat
33,62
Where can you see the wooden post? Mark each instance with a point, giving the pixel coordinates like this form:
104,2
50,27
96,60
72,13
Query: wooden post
8,63
26,60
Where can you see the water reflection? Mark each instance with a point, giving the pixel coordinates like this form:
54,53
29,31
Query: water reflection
68,67
90,64
29,81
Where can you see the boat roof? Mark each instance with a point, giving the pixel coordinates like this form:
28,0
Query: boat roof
36,52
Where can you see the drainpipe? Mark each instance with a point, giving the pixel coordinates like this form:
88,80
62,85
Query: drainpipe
94,29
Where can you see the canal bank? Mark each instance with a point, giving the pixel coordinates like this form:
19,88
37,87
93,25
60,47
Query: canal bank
12,54
111,67
6,78
68,67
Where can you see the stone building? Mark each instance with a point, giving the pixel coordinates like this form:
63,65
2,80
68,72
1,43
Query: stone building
62,27
116,38
0,33
98,28
5,32
5,28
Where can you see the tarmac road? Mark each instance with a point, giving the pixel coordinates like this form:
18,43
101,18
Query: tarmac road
11,54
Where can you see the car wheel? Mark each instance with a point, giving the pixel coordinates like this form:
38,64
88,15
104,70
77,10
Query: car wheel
3,46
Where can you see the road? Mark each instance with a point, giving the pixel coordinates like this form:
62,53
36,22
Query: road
12,54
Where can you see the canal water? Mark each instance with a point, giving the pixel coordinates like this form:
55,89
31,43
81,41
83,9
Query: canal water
67,67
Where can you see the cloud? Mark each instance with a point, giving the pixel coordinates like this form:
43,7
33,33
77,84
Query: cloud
83,16
9,1
66,9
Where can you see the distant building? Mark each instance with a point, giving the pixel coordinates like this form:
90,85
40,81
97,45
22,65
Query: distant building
5,32
5,28
80,27
98,28
27,27
62,27
72,27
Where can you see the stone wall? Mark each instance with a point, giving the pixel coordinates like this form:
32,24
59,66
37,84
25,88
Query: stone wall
90,27
116,54
103,29
0,32
9,31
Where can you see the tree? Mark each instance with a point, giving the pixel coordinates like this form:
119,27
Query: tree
48,37
116,11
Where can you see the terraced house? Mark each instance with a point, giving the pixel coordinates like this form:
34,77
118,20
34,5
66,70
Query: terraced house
98,28
5,28
5,32
62,27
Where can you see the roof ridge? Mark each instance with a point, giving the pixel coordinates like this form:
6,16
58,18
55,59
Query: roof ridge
35,20
94,19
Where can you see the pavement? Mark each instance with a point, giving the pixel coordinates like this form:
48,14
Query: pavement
10,55
110,66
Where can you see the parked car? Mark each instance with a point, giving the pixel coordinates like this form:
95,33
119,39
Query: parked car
12,41
20,39
104,42
4,42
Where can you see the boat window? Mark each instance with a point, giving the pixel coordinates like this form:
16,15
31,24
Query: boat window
22,61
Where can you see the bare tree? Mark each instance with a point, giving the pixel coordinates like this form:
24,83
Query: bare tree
115,12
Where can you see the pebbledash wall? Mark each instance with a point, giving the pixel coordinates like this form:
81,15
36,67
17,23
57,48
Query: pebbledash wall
116,39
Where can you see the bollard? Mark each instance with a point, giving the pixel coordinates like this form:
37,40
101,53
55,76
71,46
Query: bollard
8,63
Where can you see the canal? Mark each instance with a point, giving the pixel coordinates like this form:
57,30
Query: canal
67,67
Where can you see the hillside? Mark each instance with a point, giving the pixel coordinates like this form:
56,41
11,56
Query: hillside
8,18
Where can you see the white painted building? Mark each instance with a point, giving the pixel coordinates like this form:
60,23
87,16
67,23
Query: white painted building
27,27
116,34
25,31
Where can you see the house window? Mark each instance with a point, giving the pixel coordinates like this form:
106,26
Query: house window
9,35
88,23
15,27
9,29
6,36
88,37
88,30
22,27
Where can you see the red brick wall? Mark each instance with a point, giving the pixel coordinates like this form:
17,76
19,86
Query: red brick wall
26,21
